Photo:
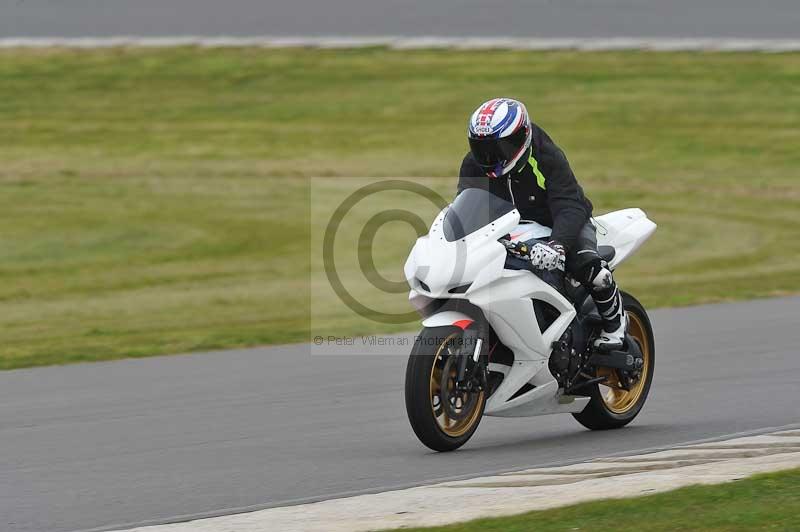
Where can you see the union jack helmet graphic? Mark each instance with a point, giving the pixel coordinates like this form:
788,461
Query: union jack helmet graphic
499,135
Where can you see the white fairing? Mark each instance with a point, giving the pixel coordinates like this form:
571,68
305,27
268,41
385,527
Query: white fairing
436,265
625,230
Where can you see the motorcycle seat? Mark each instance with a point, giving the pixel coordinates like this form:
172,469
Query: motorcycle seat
606,252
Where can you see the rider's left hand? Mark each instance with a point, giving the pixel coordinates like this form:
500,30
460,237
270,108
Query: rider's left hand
549,256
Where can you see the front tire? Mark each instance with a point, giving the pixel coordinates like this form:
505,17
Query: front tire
430,383
610,406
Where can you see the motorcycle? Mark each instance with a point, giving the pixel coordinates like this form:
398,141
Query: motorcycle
501,338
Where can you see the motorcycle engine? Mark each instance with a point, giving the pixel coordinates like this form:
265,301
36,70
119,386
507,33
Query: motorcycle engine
564,363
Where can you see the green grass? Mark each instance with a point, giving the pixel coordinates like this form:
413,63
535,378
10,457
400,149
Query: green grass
763,502
157,201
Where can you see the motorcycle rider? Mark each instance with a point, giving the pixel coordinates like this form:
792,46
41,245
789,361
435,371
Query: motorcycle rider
515,159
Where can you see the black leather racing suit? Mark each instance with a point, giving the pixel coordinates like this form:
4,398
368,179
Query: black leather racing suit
546,191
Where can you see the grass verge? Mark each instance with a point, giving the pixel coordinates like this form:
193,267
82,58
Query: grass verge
158,201
763,502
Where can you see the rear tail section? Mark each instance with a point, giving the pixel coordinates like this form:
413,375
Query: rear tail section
625,231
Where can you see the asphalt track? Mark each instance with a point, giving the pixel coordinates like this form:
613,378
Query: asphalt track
110,444
468,18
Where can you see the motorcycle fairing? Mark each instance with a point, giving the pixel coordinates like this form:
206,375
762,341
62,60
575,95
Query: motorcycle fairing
436,266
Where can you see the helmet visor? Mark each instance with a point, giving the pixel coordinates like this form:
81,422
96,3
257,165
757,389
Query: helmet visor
491,152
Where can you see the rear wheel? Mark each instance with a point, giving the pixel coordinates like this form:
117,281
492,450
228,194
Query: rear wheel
442,417
619,399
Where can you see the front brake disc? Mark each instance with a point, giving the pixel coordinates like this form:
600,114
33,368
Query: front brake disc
457,404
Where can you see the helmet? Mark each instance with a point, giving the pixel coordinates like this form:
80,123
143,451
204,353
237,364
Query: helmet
500,135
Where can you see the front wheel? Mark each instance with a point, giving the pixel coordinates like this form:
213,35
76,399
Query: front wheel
612,405
442,417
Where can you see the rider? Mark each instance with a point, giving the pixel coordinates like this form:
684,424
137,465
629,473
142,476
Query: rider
524,166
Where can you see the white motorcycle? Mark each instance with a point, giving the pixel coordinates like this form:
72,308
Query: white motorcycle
500,340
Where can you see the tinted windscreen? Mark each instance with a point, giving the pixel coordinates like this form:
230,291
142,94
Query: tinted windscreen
471,210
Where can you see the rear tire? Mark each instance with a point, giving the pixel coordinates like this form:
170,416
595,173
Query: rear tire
610,408
425,369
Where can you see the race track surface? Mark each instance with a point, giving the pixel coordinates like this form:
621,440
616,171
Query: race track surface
108,444
468,18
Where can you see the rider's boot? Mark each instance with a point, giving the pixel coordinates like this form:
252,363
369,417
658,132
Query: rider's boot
608,299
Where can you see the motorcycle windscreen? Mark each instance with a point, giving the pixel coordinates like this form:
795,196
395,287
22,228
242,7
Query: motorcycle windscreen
472,209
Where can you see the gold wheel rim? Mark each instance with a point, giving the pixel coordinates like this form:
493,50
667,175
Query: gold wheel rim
616,399
451,427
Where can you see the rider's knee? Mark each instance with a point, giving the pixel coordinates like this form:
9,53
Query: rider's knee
604,279
594,275
587,272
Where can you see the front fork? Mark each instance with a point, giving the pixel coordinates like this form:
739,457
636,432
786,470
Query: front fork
471,370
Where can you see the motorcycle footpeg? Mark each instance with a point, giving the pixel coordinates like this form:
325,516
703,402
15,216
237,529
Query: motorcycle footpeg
616,359
606,349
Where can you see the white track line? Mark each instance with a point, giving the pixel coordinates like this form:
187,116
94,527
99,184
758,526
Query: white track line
431,482
521,491
414,43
